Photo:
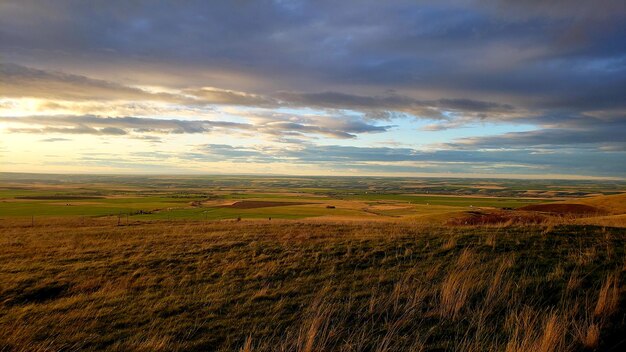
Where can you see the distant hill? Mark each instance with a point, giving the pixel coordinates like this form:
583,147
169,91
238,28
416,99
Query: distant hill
599,205
613,204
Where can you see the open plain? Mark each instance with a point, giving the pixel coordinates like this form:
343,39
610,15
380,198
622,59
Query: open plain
267,264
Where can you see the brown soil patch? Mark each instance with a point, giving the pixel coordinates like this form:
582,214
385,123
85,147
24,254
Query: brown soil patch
252,204
496,218
564,209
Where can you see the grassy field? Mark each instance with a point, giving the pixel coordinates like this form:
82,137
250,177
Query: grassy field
208,198
182,263
303,286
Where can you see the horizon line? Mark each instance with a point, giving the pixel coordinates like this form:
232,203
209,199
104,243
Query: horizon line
554,177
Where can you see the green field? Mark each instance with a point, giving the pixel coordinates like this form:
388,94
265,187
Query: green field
207,197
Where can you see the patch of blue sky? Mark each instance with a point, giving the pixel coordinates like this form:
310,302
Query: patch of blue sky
409,133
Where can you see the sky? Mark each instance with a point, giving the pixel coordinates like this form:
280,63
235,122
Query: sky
459,88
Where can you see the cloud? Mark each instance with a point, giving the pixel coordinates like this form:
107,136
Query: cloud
80,129
577,9
211,95
149,138
88,124
55,140
608,134
273,125
20,81
465,50
224,152
333,126
298,72
473,105
406,160
383,106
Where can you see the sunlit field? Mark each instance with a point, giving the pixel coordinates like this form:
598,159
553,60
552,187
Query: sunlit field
313,176
286,264
297,286
145,198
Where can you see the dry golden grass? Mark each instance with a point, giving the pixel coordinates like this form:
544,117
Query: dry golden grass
306,286
614,204
457,286
609,220
608,298
590,337
449,244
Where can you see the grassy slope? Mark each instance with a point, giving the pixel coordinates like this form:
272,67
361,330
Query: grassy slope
309,287
613,204
476,201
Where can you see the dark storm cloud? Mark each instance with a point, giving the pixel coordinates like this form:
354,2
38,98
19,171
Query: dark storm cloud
520,48
526,50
